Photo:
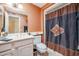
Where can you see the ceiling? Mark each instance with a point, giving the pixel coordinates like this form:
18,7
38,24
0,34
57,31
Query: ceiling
39,4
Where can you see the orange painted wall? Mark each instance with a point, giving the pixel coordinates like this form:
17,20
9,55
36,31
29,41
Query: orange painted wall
34,17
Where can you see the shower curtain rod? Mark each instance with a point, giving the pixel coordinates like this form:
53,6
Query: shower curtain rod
56,7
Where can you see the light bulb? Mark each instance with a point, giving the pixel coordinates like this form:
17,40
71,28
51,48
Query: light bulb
20,6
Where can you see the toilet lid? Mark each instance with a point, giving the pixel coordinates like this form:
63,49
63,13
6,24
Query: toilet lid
41,46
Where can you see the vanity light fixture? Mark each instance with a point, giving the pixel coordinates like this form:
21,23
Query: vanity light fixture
19,6
10,4
16,5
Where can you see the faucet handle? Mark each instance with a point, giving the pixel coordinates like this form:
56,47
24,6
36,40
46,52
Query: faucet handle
4,33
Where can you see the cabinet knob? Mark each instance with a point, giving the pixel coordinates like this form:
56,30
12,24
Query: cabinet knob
12,49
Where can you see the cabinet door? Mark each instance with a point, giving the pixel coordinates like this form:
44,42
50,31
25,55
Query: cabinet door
25,50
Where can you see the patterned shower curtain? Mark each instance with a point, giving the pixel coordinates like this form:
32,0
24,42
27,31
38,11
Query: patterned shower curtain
62,26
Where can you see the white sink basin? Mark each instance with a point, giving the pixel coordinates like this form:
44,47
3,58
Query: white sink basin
4,39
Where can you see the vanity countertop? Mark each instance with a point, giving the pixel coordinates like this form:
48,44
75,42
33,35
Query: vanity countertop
17,37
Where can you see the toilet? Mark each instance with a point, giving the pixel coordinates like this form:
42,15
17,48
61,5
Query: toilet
41,47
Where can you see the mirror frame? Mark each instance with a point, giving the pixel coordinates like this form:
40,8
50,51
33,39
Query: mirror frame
7,14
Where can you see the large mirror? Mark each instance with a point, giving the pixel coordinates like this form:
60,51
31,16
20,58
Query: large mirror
23,23
12,24
13,20
15,23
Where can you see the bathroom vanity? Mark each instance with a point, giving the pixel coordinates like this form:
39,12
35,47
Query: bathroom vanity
20,45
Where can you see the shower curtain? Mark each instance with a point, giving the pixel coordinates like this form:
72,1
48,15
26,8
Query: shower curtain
62,27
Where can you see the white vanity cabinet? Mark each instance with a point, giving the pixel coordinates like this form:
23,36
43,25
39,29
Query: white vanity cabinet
24,48
17,48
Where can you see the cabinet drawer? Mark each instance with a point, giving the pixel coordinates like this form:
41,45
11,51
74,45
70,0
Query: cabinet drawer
5,47
7,53
24,42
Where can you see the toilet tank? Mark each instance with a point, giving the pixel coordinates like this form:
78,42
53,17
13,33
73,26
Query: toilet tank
37,39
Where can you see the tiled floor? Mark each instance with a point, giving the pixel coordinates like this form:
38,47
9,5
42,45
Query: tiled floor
53,53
